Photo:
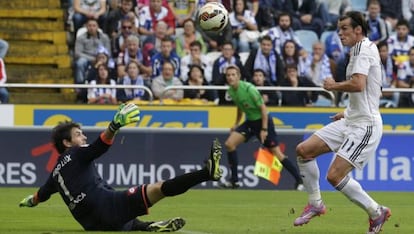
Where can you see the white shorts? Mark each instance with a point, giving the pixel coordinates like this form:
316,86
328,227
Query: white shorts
356,143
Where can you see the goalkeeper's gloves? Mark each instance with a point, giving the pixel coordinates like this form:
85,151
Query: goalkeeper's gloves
28,201
127,113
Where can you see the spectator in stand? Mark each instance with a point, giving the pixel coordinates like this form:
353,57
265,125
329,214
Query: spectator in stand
213,39
133,77
408,13
196,58
115,17
266,59
269,12
388,99
317,69
86,46
253,6
292,79
102,95
4,94
149,16
141,3
227,57
245,30
196,78
164,80
400,43
118,43
4,47
334,48
405,79
283,31
378,30
306,11
391,11
132,53
86,9
190,34
183,10
152,43
167,54
290,55
330,10
102,57
270,97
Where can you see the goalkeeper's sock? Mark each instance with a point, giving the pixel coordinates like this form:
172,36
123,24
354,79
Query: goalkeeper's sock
292,170
182,183
233,163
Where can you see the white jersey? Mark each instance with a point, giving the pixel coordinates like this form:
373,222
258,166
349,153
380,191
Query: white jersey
364,106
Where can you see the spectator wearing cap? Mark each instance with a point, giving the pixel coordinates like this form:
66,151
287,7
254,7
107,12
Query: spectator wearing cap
86,46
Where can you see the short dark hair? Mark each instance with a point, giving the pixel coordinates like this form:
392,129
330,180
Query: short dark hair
265,38
63,132
402,22
382,44
357,19
196,43
259,70
167,39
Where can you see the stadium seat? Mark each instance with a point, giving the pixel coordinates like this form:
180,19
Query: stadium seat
359,5
325,35
307,38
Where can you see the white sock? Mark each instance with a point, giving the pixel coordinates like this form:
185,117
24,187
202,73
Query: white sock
309,171
354,192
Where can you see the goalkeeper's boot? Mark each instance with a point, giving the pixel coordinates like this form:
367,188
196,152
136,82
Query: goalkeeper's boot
308,213
170,225
375,225
213,163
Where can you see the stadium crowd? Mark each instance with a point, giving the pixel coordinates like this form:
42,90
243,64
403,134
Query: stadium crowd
158,43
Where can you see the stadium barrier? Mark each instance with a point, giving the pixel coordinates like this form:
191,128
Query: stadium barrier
211,87
151,96
146,155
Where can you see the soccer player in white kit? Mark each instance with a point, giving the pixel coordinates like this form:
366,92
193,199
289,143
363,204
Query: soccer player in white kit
354,134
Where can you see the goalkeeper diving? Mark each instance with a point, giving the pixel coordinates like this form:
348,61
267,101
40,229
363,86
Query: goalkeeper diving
96,205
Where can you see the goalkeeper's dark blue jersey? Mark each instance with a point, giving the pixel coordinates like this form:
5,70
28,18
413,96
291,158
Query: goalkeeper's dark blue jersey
94,204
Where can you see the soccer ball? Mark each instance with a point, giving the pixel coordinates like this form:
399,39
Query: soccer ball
213,17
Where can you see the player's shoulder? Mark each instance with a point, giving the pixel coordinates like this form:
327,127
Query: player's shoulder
365,47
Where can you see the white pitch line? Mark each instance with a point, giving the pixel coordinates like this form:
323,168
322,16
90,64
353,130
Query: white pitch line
193,232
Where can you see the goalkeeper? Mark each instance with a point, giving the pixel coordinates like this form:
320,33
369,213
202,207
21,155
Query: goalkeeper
92,202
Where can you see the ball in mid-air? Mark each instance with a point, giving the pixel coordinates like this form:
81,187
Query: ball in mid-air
213,17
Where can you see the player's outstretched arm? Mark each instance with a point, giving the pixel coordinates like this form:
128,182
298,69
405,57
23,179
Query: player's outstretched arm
29,201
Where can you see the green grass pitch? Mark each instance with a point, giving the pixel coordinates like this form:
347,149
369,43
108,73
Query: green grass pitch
220,211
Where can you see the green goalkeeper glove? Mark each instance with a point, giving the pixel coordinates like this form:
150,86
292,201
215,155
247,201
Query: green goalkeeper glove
127,113
28,201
